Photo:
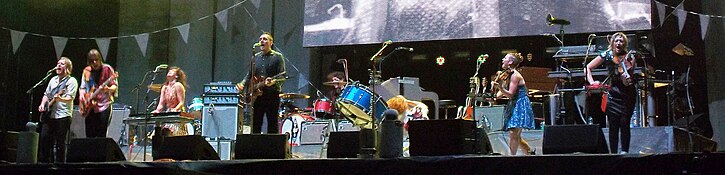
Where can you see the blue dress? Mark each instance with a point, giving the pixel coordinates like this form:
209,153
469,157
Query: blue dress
519,113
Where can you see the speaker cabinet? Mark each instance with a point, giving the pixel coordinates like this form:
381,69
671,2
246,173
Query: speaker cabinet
563,139
223,147
313,132
192,147
94,150
220,122
261,146
343,144
442,137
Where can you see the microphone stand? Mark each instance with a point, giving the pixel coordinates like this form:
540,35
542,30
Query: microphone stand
148,117
30,95
373,77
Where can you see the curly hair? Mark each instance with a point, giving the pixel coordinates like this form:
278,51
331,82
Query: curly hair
180,75
517,58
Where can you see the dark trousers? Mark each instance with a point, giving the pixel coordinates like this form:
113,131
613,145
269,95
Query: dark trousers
266,105
619,123
97,123
53,139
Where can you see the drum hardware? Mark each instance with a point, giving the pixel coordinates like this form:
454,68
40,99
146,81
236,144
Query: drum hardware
155,87
335,83
293,96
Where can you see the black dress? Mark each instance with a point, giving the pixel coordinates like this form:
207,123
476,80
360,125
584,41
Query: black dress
620,104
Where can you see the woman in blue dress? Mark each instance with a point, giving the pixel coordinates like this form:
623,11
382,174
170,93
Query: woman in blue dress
518,115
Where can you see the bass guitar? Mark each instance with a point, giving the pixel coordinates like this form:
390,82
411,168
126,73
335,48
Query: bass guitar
91,102
45,115
255,90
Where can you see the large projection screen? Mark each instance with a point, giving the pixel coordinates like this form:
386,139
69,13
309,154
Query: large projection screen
349,22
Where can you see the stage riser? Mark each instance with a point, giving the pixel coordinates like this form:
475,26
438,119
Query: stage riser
663,139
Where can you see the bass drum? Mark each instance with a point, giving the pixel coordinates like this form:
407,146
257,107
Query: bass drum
291,126
357,103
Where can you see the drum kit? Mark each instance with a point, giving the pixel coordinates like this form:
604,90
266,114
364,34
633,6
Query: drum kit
356,103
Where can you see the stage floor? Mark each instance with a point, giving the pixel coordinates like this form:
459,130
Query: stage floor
675,163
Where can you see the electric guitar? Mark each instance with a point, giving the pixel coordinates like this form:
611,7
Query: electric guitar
255,90
46,114
90,103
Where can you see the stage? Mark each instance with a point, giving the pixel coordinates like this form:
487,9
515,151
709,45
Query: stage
674,163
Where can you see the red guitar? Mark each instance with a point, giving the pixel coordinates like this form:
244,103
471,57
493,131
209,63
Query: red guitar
91,102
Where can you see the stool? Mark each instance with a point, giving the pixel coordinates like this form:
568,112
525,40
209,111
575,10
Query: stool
446,105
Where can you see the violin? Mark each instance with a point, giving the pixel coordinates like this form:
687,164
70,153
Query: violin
501,78
624,68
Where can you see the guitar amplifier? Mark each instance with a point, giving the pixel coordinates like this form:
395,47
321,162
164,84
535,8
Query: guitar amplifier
220,87
313,132
227,100
220,121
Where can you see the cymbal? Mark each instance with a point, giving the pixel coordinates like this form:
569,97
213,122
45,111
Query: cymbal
657,85
155,87
335,83
293,95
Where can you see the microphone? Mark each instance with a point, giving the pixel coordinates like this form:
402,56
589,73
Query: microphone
388,42
161,66
256,45
551,20
390,114
592,35
409,49
51,70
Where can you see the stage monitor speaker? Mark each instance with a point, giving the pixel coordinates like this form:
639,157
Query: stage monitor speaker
220,122
191,147
94,150
494,115
442,137
261,146
343,144
563,139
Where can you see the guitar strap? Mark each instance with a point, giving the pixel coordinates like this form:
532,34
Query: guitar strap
61,85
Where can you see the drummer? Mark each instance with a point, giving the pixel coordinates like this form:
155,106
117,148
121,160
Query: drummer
336,80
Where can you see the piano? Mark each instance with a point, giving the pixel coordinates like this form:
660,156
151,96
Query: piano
580,73
160,118
409,87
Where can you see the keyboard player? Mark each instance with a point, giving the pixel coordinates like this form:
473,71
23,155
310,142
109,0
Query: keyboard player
171,99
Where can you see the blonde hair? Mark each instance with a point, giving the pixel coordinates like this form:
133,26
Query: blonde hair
517,58
624,45
399,103
68,65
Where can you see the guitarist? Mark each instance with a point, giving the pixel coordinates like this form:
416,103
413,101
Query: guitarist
267,63
57,109
98,108
622,94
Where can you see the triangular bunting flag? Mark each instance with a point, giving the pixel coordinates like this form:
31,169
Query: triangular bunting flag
184,31
16,37
143,41
59,43
256,3
103,44
681,16
301,81
222,17
704,22
661,11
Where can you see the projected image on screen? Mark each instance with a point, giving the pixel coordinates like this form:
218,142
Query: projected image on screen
347,22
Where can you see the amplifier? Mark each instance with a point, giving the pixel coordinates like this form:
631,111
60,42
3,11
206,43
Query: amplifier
221,99
313,132
220,87
346,125
223,148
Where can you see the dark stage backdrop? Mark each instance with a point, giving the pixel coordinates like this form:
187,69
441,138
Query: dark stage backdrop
345,22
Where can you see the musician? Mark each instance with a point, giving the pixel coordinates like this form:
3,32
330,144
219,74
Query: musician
173,93
338,80
621,95
518,113
267,63
95,75
56,117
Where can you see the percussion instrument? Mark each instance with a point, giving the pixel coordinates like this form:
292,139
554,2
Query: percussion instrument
357,103
324,109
